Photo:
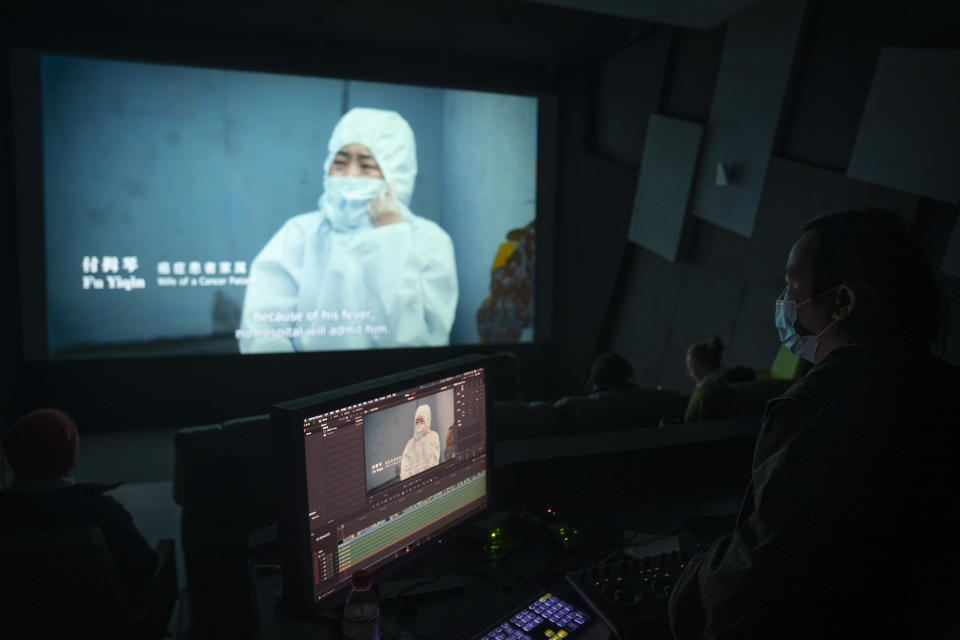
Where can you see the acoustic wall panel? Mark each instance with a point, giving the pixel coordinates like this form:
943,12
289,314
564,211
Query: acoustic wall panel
628,90
794,193
751,85
663,188
909,137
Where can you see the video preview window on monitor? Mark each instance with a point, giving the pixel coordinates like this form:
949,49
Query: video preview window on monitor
192,210
390,473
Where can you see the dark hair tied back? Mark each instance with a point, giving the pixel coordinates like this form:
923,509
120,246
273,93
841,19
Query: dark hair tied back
708,352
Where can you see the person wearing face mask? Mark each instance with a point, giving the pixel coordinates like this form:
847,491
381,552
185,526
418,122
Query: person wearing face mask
362,271
423,449
855,466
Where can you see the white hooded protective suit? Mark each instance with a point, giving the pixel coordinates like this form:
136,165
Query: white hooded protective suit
423,449
329,279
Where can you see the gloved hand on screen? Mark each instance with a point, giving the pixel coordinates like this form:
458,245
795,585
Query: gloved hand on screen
384,208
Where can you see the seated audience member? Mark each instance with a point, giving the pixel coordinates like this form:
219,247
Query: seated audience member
704,365
847,527
41,448
610,372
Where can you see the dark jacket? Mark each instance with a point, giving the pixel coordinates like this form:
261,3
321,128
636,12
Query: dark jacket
846,528
84,505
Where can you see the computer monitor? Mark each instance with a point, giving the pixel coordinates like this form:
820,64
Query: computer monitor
370,473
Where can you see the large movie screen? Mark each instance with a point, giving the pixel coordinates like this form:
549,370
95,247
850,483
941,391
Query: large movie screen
194,211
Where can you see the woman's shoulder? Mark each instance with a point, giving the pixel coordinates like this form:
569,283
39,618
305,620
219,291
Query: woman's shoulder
293,234
303,223
424,228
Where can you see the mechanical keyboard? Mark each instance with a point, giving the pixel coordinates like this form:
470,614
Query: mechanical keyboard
545,618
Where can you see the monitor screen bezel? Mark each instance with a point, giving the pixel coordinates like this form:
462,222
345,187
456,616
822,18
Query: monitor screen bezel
286,422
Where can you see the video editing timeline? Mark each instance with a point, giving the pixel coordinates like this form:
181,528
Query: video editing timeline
351,528
406,523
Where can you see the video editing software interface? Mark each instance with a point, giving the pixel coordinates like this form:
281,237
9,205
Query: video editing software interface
393,472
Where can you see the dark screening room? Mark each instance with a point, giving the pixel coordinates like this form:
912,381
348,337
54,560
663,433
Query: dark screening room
533,319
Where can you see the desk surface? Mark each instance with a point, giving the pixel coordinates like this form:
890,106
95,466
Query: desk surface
452,616
489,589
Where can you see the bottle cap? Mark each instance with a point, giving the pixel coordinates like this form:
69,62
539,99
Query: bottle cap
361,579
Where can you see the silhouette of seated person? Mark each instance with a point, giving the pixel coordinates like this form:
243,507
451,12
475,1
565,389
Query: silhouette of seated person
704,366
422,450
610,372
848,526
41,448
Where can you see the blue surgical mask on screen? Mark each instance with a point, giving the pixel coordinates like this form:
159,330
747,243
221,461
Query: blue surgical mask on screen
345,199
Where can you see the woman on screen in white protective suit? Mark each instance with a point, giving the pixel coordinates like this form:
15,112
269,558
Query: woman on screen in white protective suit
423,449
362,271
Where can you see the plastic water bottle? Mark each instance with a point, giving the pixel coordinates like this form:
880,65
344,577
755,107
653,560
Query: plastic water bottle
361,613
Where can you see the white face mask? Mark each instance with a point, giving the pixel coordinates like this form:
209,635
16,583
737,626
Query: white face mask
344,200
785,318
421,423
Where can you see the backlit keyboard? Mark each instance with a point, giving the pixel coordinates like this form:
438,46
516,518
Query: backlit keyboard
546,618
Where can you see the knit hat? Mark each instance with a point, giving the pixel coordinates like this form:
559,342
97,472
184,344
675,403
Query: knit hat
42,444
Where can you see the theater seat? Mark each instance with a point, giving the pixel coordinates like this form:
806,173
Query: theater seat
64,583
715,402
224,484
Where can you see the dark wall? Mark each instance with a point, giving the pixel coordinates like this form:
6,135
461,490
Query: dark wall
723,283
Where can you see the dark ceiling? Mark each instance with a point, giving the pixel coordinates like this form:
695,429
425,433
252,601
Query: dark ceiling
488,29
